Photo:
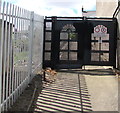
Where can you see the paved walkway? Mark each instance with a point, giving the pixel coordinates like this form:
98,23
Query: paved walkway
93,89
68,94
103,87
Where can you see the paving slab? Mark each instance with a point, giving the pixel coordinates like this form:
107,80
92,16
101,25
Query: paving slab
103,88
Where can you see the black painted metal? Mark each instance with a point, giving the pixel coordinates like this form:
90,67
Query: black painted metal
84,28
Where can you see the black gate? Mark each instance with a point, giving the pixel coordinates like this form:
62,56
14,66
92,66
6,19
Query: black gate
74,42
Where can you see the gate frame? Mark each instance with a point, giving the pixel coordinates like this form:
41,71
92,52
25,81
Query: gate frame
52,63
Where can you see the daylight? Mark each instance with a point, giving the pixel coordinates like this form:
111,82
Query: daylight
56,7
59,56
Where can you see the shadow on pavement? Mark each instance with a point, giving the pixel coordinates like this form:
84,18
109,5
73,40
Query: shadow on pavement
92,72
66,94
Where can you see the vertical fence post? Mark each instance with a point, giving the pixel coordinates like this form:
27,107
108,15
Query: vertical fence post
42,35
1,51
0,67
31,35
118,48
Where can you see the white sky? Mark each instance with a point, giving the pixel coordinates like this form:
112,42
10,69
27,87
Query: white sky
56,7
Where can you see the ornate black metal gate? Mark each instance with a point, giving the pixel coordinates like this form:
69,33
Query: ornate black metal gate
74,42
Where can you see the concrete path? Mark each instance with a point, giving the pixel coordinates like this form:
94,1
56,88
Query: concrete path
103,88
68,94
92,89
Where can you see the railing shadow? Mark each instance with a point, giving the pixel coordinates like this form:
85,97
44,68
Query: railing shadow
92,72
68,93
26,99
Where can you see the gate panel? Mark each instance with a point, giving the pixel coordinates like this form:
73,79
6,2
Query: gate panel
71,43
102,39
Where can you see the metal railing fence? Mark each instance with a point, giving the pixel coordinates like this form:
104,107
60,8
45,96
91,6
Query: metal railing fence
21,41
